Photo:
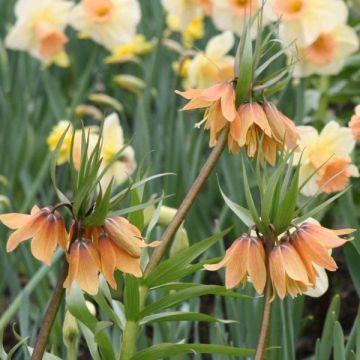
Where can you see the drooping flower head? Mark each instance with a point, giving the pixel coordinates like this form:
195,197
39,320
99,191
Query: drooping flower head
110,23
296,260
40,30
45,228
251,125
245,258
115,245
219,102
329,153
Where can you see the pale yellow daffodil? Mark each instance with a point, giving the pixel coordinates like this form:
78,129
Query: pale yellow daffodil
213,65
110,23
113,142
329,152
40,30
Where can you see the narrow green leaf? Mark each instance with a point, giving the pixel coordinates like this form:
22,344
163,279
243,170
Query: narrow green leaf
245,72
76,304
169,269
243,214
170,350
339,348
326,341
181,316
131,297
186,294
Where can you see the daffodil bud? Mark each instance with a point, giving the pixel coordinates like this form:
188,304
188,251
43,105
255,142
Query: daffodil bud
130,83
103,99
70,330
181,241
88,110
166,215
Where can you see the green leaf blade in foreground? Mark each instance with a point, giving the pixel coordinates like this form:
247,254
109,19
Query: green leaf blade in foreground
169,269
182,316
169,350
187,294
75,302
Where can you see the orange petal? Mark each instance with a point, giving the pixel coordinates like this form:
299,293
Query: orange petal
215,92
277,271
88,269
325,237
314,251
189,94
228,253
334,176
294,267
257,116
108,260
236,266
60,233
256,266
44,242
276,124
228,103
73,260
26,232
124,235
14,220
127,264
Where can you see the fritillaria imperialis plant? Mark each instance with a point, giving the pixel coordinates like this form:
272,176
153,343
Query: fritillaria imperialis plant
281,254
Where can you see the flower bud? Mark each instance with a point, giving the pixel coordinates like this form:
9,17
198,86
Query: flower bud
70,330
181,241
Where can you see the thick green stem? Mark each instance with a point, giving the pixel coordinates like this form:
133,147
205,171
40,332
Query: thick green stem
50,315
129,340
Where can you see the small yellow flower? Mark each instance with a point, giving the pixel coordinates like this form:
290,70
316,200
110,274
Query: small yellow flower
137,46
54,138
194,31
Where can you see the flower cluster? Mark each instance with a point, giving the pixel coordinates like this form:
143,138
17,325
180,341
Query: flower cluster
112,143
40,27
291,261
89,251
251,124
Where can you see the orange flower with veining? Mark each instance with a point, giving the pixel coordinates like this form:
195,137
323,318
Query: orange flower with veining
84,266
219,101
264,125
293,260
287,271
354,123
45,227
245,257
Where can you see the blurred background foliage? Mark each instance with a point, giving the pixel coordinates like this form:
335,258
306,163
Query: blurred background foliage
33,99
